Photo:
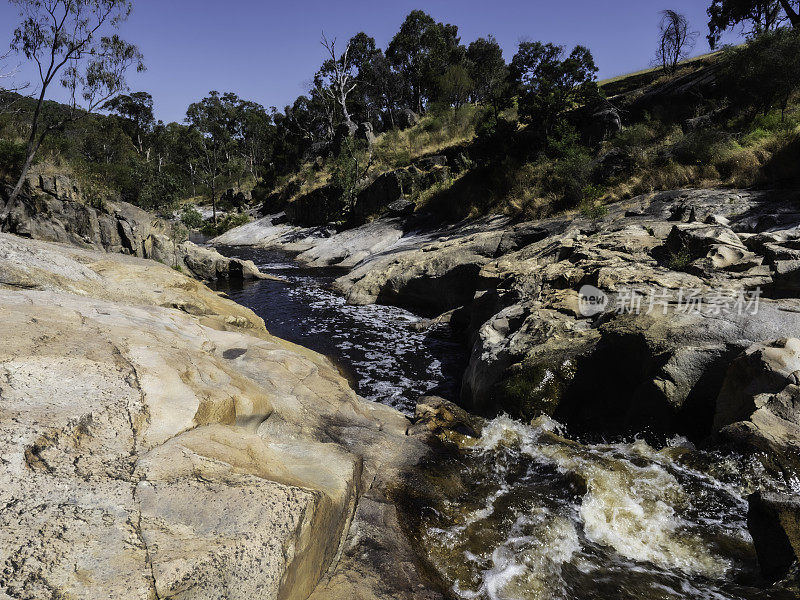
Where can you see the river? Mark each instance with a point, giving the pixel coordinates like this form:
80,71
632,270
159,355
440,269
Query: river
540,516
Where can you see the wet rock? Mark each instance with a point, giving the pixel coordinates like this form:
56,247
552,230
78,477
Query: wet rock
758,407
441,417
774,523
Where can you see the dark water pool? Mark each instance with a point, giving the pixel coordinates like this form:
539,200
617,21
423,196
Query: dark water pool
387,358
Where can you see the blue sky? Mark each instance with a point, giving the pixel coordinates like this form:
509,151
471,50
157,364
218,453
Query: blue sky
268,51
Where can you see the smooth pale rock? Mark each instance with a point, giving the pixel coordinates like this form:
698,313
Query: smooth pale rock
350,247
157,441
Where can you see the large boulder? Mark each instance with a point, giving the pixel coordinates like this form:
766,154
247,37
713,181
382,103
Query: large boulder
318,207
605,124
758,407
774,523
159,442
53,209
365,133
406,118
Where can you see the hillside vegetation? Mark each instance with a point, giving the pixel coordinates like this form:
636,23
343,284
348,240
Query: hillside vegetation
462,133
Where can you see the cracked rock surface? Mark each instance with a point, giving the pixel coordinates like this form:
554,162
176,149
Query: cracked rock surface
157,442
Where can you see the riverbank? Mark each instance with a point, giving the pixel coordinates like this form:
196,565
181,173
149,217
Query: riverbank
530,510
159,442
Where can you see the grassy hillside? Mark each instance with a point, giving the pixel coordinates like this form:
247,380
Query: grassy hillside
492,171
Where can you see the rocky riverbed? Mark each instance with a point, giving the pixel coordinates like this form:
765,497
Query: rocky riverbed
159,441
695,337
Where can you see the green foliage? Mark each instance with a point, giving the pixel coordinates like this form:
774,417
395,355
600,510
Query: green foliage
638,134
549,83
12,155
754,16
489,71
591,206
348,168
680,260
704,147
226,223
421,52
765,73
191,218
160,192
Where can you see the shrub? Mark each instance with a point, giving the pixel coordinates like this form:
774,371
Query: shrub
704,147
680,260
12,155
591,206
191,218
639,134
227,223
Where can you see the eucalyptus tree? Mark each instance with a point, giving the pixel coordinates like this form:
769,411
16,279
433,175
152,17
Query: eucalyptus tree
421,52
136,110
336,80
212,129
72,45
549,82
753,16
488,69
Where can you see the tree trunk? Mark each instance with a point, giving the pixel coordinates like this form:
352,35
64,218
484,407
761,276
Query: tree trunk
794,17
25,168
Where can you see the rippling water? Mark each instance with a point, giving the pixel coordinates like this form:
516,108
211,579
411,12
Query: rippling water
540,516
387,358
544,517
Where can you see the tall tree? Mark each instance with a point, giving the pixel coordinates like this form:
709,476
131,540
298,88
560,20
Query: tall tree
765,73
212,125
489,71
549,82
137,110
455,85
675,40
337,78
753,16
64,38
422,51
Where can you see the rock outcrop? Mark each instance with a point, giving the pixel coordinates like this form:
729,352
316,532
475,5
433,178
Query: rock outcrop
158,442
774,523
54,209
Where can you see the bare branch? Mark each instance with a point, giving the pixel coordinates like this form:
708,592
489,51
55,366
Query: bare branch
336,78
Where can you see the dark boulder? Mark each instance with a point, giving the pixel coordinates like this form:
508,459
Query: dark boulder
343,132
318,207
617,162
429,162
385,190
605,124
406,118
774,523
365,133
